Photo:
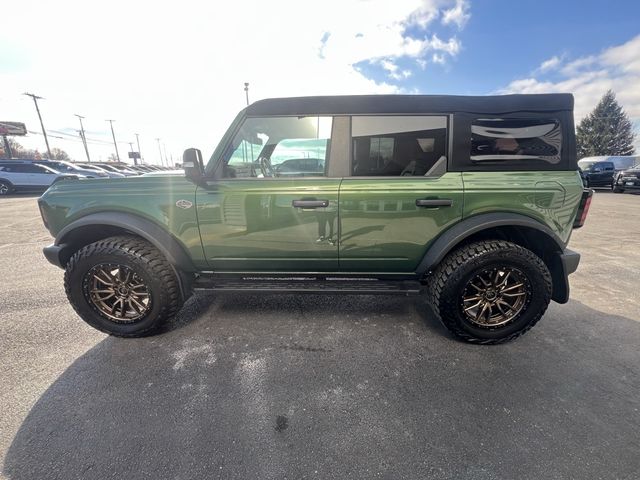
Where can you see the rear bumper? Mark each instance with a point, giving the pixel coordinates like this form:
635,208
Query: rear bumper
566,263
54,254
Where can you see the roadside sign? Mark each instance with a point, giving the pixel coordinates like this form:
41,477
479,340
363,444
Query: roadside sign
12,128
134,154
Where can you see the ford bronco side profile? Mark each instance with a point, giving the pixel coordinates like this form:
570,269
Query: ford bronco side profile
468,200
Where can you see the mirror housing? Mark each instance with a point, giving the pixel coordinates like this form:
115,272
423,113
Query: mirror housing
193,165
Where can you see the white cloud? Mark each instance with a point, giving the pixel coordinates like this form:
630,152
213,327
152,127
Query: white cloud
458,15
438,58
589,77
178,72
576,66
550,64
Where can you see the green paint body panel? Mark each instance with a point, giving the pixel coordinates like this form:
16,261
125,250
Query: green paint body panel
371,225
251,225
152,198
382,229
550,197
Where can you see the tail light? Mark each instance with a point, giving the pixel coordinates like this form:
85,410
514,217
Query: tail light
583,208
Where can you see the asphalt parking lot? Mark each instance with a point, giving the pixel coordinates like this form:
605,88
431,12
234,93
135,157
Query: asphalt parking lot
265,386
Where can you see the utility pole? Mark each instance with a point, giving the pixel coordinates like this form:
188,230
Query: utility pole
84,138
160,150
114,138
135,160
131,149
246,91
166,158
44,132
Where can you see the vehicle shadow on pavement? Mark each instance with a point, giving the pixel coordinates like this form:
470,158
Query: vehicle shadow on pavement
249,386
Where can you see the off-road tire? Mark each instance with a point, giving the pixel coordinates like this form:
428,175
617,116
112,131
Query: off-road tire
450,278
146,262
6,188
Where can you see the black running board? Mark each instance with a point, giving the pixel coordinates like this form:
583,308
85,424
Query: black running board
363,286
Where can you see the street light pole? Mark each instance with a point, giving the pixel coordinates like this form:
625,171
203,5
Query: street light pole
84,138
44,132
246,91
114,138
135,160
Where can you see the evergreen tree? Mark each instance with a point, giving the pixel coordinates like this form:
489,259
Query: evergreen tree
606,131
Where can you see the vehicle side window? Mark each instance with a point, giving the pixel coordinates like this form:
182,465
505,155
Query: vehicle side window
40,169
17,168
279,147
397,145
513,140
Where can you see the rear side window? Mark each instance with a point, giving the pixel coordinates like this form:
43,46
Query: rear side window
514,140
17,168
397,145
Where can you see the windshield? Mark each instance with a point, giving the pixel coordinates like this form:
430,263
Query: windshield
59,166
585,165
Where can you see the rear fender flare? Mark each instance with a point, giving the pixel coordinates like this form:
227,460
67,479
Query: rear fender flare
452,237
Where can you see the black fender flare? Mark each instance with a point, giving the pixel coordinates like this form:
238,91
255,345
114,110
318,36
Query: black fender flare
159,237
6,180
561,261
452,237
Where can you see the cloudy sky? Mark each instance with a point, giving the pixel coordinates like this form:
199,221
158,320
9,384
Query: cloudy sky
175,70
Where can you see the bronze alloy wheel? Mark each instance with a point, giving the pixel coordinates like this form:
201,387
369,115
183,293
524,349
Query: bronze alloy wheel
117,292
495,296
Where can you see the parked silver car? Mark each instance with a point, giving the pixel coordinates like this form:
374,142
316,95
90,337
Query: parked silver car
16,175
72,168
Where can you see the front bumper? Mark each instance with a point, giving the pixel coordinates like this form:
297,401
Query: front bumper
628,184
55,255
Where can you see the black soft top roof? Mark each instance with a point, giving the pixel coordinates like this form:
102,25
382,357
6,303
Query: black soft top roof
402,104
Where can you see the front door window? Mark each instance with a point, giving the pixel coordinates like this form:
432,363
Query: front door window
279,147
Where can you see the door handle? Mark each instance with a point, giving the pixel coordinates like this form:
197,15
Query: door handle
434,202
310,203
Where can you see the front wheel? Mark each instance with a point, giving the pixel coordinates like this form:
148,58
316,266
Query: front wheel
5,187
122,286
616,189
491,291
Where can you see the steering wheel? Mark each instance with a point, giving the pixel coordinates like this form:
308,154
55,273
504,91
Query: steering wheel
265,167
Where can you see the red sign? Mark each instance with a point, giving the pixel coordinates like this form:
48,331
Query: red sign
13,128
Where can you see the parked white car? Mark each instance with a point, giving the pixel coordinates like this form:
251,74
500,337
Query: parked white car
16,176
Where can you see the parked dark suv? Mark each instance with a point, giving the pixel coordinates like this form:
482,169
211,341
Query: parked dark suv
597,174
627,180
469,201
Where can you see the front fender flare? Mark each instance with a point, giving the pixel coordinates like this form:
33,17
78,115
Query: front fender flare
159,237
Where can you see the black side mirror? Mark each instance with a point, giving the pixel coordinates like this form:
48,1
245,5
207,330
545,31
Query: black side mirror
192,164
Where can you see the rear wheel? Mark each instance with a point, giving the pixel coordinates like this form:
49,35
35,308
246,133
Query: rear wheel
491,291
122,286
5,187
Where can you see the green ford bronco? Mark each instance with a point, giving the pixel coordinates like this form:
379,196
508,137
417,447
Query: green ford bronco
469,201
